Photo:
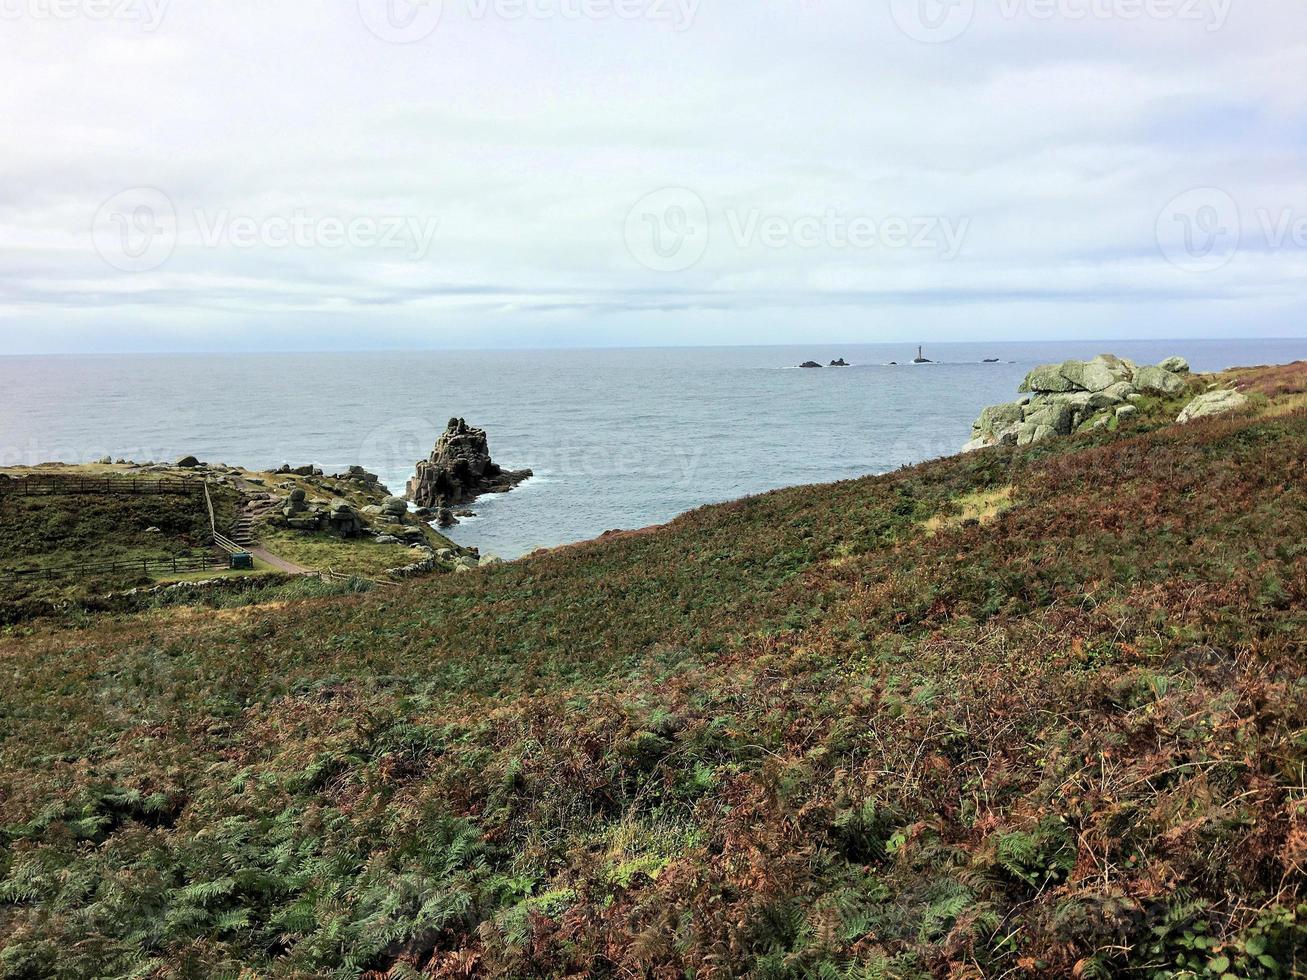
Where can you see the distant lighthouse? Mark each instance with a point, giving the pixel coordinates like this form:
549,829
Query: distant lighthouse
921,358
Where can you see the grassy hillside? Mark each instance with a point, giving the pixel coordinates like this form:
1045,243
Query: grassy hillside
71,530
65,530
1019,713
353,556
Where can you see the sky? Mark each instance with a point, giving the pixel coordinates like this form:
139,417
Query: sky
373,174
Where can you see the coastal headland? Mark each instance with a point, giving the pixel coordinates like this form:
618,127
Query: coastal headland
1033,710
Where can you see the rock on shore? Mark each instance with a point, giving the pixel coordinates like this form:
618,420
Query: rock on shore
460,469
1061,398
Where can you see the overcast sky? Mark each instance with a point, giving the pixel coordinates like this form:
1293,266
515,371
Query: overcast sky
315,175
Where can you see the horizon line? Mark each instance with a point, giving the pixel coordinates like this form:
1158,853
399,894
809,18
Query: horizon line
634,347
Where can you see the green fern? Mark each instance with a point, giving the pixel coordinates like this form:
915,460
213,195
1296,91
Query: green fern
1039,857
943,911
1096,967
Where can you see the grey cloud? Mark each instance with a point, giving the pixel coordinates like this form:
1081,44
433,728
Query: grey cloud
1062,141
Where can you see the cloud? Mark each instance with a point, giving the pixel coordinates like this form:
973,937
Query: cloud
525,135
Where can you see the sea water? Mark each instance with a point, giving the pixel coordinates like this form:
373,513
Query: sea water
617,438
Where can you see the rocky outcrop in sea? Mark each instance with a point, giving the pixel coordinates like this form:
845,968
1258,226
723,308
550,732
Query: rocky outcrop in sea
460,469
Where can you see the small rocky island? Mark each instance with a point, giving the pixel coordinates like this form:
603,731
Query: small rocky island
459,470
809,364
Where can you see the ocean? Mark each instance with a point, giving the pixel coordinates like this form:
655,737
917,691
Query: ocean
617,438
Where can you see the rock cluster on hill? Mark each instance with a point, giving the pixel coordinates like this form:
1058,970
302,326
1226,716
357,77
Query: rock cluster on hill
460,469
1064,397
296,504
361,478
1213,403
339,516
457,560
355,475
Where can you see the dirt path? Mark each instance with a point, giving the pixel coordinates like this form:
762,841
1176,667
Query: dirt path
280,564
245,489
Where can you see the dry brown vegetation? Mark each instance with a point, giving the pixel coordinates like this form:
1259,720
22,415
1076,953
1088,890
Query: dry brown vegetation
791,736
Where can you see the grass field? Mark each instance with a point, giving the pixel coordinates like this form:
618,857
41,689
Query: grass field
53,531
1023,713
351,556
67,531
72,530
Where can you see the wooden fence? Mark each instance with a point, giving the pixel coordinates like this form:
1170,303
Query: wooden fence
46,486
331,575
219,540
123,566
